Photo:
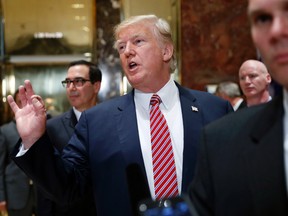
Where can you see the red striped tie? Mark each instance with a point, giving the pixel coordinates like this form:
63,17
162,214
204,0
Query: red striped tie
164,170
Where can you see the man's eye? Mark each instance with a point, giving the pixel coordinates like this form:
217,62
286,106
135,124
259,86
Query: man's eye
138,41
262,19
252,76
121,48
78,80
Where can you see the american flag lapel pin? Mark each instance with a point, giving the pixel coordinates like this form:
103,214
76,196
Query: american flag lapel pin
194,109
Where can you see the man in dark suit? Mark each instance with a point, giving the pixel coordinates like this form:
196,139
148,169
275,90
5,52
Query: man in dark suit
17,192
243,159
111,144
82,85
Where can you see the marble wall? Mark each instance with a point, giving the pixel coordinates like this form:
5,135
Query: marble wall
215,40
107,16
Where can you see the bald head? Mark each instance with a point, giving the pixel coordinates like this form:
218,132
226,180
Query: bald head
253,64
254,81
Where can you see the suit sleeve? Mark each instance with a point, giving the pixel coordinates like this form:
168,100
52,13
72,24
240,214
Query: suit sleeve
53,175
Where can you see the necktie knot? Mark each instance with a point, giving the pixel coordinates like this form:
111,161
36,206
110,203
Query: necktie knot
155,99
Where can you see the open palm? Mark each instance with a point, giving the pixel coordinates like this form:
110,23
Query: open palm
31,117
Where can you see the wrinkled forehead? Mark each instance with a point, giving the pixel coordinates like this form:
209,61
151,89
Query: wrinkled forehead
251,69
132,32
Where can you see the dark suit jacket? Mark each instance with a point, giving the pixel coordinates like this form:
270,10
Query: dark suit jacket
14,183
106,145
60,129
241,164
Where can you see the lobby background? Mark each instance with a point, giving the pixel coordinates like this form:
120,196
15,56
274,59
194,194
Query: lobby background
39,39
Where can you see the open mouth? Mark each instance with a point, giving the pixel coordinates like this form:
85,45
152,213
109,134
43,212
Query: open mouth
132,65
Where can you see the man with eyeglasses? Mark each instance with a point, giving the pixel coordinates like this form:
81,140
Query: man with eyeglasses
82,85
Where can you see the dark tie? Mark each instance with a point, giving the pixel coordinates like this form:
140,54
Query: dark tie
164,170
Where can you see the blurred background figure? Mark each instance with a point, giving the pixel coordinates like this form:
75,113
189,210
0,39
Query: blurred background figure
17,192
254,81
82,84
50,107
230,91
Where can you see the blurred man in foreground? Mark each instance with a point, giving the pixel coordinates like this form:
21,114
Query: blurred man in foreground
243,163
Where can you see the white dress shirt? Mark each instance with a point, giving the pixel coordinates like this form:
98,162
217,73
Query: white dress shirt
171,109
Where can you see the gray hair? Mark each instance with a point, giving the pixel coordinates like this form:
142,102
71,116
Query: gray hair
229,88
161,29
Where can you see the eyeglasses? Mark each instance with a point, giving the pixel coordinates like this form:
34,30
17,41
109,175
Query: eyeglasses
78,82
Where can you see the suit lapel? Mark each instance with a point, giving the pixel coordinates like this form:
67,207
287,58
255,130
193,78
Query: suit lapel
128,131
265,158
69,122
191,112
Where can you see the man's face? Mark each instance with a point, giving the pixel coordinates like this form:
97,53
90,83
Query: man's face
143,58
82,97
269,28
253,82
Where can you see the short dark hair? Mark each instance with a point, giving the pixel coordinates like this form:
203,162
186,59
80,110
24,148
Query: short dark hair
95,74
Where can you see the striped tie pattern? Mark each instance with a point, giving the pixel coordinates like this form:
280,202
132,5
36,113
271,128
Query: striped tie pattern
164,170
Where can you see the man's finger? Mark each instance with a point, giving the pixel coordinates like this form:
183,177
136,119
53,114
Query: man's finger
12,103
22,95
29,89
38,104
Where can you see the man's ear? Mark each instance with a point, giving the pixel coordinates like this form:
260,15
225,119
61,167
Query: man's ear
269,79
97,86
167,52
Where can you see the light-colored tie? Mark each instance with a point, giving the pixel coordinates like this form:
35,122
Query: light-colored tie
164,170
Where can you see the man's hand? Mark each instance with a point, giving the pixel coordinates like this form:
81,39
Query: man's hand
31,117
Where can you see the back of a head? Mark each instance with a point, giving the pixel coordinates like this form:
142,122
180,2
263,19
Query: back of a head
229,88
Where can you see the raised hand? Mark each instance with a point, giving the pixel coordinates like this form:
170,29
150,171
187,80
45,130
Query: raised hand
31,117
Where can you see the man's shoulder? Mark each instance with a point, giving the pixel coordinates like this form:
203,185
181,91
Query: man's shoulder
243,119
58,118
202,96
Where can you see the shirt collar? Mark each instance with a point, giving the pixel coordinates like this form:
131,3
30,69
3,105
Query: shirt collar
77,113
168,94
